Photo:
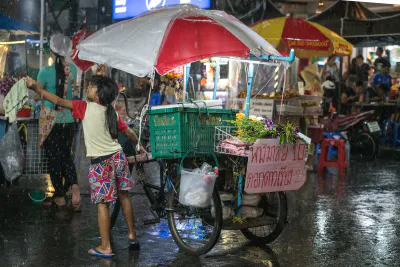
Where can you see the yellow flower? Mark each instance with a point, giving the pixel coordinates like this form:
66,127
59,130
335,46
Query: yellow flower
239,116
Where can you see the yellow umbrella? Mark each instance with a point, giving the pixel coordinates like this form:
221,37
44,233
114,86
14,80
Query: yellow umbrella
308,39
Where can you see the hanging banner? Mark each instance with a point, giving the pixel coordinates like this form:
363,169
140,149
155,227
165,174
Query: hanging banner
273,167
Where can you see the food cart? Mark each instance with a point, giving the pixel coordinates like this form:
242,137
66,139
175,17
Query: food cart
185,135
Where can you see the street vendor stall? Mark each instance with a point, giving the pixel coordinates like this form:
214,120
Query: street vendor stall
12,33
162,40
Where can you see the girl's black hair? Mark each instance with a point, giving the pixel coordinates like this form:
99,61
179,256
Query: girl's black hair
60,77
107,91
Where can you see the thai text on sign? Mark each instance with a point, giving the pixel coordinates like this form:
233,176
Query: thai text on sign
273,167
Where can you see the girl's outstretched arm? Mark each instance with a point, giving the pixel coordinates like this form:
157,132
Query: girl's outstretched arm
131,135
38,88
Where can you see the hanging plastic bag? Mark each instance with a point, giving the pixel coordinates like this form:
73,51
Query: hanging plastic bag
152,173
12,155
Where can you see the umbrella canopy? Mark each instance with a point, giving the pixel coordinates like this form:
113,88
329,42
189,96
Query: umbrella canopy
308,39
14,26
168,37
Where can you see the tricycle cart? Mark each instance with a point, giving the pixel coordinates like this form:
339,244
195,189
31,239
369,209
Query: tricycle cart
184,139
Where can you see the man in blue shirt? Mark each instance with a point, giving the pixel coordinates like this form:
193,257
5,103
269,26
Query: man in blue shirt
383,80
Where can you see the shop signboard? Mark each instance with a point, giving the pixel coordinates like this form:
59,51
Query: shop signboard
262,107
123,9
273,167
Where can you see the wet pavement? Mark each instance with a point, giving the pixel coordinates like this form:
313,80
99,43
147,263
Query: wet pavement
353,221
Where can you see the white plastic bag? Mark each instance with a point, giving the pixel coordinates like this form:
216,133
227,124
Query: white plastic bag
196,188
12,155
251,212
251,199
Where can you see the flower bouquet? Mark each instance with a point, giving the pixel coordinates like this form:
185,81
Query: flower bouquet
247,131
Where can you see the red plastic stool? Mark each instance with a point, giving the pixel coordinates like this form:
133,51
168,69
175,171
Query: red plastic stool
340,163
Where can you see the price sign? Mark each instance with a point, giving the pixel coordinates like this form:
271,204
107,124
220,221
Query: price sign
273,167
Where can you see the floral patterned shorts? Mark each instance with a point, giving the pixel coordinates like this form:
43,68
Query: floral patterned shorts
109,176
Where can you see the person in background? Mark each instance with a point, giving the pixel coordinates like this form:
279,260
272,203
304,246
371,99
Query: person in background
383,80
59,79
381,62
375,94
351,94
330,69
363,71
109,175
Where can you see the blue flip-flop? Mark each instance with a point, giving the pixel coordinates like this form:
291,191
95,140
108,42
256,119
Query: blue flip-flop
101,255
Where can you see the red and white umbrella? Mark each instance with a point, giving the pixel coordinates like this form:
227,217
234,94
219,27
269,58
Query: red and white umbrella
168,37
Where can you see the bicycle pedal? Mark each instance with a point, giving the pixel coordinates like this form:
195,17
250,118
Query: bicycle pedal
153,221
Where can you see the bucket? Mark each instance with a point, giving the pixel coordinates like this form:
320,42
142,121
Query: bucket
37,196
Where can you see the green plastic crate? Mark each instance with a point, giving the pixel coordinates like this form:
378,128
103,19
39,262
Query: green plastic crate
173,131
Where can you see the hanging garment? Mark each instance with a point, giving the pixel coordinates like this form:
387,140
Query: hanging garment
15,100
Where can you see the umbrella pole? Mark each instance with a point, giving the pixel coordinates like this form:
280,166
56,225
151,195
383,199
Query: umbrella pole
41,33
186,74
250,75
216,78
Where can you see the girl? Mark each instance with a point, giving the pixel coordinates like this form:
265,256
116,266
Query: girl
109,176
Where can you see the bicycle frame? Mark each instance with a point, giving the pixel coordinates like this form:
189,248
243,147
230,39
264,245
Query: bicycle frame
157,201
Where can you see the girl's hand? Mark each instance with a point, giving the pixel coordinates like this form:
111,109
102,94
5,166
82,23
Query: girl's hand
30,83
142,150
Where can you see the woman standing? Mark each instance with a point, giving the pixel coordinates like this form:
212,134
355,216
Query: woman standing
59,79
330,69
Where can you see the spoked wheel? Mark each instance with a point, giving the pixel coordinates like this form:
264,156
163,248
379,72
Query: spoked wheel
274,205
114,208
195,230
365,146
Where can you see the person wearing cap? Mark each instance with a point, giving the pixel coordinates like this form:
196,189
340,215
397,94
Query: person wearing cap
59,79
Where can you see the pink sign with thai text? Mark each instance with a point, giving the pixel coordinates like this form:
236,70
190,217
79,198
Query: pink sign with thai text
273,167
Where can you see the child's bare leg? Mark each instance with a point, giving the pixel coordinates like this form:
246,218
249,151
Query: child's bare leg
104,228
128,212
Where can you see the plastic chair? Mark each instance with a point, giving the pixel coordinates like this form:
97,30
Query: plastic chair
331,151
340,163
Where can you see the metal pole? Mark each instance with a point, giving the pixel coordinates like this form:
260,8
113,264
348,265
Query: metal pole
26,58
41,33
250,74
216,79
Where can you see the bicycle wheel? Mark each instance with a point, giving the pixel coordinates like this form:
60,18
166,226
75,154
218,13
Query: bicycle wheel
114,208
195,230
365,146
275,208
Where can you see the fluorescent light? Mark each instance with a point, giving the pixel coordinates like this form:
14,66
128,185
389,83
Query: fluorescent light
12,42
388,2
